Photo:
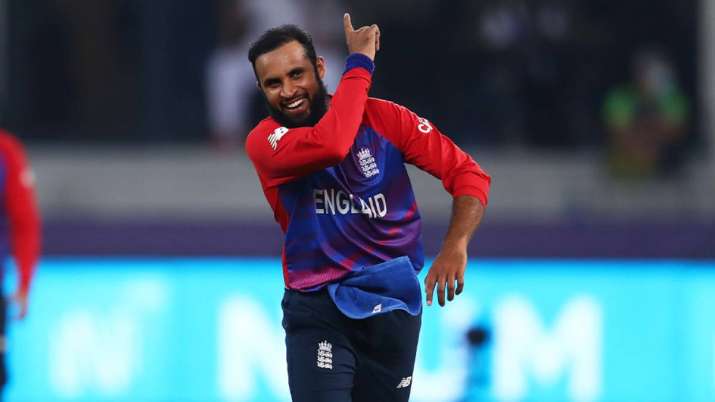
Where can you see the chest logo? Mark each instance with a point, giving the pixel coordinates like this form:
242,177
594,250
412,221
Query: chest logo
368,166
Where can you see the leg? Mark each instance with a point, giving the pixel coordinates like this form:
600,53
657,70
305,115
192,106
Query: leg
387,346
321,361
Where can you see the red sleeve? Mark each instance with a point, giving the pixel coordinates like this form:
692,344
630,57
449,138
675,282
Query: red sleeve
21,209
424,146
281,154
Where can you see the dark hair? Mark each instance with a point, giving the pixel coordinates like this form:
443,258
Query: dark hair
279,36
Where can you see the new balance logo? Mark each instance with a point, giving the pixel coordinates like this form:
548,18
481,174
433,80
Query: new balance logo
276,136
406,381
325,355
377,308
367,163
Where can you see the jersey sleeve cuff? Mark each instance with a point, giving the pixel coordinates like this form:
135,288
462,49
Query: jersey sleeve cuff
474,192
359,60
476,186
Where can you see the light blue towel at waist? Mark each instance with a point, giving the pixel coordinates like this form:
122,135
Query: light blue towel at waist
376,289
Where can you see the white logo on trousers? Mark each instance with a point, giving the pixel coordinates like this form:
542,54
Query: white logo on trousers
406,381
325,355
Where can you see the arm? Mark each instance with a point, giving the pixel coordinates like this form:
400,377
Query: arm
23,218
451,262
423,145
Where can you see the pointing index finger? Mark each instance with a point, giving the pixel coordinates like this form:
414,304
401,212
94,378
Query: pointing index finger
347,23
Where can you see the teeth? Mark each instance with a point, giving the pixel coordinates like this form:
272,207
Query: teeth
294,104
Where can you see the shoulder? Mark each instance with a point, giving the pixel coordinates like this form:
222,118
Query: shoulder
264,126
384,112
382,105
387,109
9,143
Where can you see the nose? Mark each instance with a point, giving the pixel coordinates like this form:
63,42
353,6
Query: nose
288,90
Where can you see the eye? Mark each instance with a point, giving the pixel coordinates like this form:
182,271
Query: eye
296,74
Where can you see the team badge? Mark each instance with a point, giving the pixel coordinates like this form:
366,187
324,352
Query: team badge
368,166
325,355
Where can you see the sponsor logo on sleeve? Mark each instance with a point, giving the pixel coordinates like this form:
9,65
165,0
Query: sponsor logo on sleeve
425,127
276,136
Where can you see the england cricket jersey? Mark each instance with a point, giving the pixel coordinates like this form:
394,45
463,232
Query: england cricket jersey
340,190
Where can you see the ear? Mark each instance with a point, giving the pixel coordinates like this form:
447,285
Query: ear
320,66
258,85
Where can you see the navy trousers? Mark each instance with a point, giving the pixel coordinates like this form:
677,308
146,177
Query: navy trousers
333,358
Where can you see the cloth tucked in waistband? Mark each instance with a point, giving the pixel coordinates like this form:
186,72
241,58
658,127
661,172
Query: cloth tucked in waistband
376,289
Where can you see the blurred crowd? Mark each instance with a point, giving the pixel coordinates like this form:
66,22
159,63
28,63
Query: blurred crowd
535,74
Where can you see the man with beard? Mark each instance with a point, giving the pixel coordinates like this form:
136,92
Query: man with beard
332,169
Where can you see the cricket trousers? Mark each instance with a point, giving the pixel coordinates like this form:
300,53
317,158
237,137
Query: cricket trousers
333,358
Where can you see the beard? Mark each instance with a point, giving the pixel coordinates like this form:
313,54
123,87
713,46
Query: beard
318,107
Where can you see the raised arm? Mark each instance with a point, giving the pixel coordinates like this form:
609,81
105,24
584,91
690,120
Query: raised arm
282,154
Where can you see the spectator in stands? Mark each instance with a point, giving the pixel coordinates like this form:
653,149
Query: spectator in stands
646,120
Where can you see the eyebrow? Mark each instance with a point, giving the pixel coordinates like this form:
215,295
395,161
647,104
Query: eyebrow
296,70
270,81
274,80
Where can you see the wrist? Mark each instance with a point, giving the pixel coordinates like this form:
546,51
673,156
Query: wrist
459,244
355,60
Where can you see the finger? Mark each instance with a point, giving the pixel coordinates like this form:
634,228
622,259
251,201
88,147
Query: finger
460,284
450,287
347,23
440,290
429,288
377,38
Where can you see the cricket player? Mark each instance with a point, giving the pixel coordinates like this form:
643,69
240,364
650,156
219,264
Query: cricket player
333,170
20,234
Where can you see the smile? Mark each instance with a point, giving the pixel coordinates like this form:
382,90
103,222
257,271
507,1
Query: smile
295,104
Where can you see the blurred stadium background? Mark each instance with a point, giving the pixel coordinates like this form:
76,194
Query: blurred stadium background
592,278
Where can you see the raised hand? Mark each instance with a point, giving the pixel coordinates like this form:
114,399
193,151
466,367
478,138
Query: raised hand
365,40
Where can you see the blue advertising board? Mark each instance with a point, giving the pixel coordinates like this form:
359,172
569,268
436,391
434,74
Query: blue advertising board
209,330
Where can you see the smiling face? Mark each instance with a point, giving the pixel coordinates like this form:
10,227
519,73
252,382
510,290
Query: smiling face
292,85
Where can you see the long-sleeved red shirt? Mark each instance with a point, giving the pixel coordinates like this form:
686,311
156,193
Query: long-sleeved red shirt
19,212
339,189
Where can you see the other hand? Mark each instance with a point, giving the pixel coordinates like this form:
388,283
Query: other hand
447,268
